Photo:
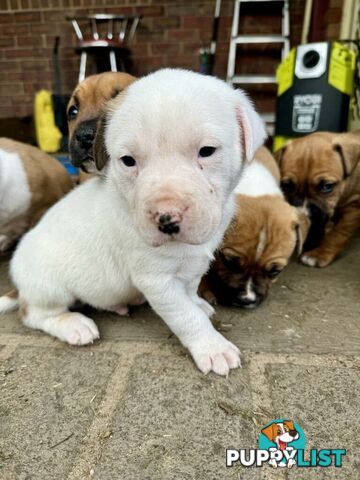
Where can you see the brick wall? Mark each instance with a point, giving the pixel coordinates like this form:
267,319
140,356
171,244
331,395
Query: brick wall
333,18
170,34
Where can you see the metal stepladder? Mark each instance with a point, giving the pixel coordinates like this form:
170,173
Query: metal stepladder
236,39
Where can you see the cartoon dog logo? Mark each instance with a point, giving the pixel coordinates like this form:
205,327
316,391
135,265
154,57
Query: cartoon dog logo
281,434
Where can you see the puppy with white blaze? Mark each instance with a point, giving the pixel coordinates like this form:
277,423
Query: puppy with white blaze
171,153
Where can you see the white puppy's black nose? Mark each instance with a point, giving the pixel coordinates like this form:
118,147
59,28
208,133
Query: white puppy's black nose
168,223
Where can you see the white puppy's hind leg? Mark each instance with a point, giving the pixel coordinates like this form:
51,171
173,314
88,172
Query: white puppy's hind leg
71,327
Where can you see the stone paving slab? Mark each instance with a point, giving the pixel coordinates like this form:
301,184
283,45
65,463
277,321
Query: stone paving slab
48,396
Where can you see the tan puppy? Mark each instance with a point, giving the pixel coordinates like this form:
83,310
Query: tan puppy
260,240
85,106
322,171
30,182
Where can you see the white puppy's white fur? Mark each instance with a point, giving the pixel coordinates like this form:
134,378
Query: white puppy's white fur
15,198
101,244
257,180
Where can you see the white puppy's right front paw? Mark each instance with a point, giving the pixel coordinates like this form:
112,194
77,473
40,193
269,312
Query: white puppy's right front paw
75,329
216,354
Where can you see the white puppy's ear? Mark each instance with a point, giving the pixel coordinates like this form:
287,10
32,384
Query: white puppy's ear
99,149
252,127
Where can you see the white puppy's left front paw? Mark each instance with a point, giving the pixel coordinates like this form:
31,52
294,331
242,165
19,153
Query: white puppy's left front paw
215,353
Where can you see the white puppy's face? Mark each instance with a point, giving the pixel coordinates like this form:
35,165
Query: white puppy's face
176,142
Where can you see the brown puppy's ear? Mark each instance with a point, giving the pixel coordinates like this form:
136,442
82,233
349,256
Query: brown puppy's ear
279,154
347,145
302,227
270,432
99,150
115,92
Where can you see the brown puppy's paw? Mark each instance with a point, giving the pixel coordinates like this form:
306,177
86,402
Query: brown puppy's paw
317,258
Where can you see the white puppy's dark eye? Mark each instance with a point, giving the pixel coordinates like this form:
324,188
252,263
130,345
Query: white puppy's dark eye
206,151
72,112
128,161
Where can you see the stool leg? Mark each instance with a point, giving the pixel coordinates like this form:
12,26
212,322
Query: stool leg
112,61
82,71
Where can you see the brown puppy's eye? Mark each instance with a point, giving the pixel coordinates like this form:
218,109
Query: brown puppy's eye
206,151
325,187
287,186
128,161
231,261
72,112
274,272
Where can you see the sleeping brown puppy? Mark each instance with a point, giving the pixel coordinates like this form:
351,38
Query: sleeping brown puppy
85,106
31,181
322,172
260,240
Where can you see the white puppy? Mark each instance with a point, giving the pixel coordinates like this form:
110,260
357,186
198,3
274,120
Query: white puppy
175,143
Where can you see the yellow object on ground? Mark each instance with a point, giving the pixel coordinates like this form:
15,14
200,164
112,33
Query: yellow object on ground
48,136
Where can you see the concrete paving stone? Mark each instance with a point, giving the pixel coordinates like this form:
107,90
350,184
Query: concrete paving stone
324,401
175,424
47,395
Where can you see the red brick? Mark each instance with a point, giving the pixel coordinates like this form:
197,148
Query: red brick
333,15
165,48
27,17
181,35
16,76
10,89
332,31
192,47
45,28
120,10
6,18
8,66
8,112
28,65
54,16
7,42
30,41
161,23
27,53
152,11
14,29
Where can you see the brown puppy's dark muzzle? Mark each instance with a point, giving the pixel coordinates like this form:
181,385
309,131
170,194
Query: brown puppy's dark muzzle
81,142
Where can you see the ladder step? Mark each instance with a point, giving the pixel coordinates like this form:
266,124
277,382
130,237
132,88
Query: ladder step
253,79
260,39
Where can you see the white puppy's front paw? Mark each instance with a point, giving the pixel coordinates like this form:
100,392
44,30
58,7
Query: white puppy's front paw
216,354
75,329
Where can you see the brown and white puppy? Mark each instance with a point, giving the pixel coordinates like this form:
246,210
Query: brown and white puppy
30,182
84,109
322,172
260,240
